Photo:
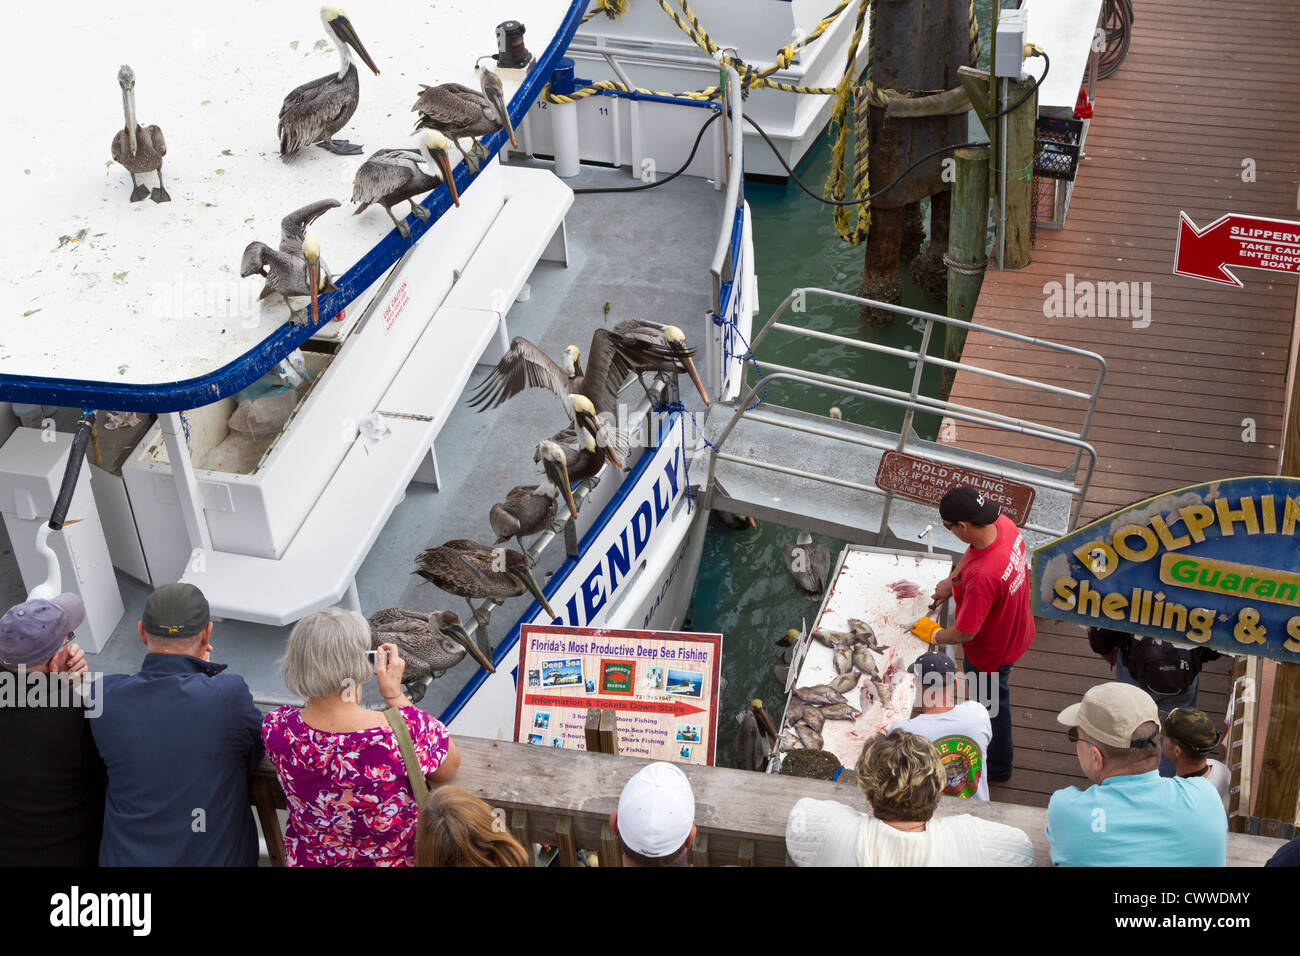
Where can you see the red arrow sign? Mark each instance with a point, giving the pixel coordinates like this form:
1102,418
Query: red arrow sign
1245,242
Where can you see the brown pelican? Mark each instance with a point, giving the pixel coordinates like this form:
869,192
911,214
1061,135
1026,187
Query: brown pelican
527,508
472,570
296,268
315,111
139,148
457,111
391,176
431,642
736,522
613,358
575,456
659,348
809,563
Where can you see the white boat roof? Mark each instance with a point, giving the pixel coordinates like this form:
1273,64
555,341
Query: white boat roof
144,297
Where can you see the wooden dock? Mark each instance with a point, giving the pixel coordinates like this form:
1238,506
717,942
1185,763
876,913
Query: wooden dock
1205,98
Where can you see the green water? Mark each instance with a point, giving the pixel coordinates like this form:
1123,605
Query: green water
744,590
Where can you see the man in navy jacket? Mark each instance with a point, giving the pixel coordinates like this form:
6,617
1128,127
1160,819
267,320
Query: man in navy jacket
178,739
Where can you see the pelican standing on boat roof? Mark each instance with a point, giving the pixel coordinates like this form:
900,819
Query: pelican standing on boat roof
315,111
296,268
391,176
471,570
139,148
457,111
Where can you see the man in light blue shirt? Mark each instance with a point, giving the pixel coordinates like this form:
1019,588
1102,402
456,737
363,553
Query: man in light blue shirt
1132,816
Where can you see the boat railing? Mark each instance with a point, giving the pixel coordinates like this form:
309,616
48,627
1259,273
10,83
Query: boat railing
729,269
912,401
563,799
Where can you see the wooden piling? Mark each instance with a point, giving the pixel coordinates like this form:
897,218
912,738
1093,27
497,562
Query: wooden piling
608,732
967,249
1021,124
591,730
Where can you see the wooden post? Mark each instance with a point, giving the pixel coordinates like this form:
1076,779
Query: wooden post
519,830
699,852
263,798
608,732
591,729
1021,126
967,240
1279,777
564,841
609,853
1241,743
745,852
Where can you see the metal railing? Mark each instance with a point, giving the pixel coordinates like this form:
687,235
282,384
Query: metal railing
913,401
733,134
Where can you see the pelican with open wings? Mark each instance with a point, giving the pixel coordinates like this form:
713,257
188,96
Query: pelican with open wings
296,267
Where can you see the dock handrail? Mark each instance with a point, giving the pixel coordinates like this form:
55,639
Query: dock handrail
913,401
563,798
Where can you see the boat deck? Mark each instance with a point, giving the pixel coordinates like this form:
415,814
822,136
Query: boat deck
1196,97
613,258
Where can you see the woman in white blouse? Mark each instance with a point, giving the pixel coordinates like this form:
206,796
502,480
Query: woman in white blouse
902,777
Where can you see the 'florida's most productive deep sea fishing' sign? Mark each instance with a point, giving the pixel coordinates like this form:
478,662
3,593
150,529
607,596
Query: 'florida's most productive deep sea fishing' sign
1215,564
662,685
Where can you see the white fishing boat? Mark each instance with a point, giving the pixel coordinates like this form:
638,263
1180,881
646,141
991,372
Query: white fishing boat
138,307
654,48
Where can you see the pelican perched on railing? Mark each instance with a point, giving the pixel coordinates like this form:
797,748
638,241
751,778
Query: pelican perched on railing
139,148
431,642
315,111
457,111
647,342
530,508
391,176
472,570
296,268
613,358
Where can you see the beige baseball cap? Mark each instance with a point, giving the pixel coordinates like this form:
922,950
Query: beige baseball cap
1109,713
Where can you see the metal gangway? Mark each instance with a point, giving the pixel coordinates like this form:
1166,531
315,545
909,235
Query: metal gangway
818,473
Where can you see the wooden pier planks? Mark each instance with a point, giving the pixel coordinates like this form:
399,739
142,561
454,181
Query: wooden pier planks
1204,89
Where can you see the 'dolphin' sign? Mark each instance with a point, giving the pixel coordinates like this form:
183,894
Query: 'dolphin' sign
1215,564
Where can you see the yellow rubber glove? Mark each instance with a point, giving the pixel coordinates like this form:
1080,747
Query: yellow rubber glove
926,628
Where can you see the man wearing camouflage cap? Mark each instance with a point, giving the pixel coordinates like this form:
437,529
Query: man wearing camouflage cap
1189,739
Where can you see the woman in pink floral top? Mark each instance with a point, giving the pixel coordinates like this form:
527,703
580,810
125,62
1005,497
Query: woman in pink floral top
349,799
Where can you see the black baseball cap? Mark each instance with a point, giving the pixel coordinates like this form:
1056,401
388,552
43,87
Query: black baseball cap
964,503
933,662
176,610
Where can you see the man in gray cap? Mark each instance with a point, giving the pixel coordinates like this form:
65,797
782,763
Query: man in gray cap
178,739
959,731
1131,816
52,799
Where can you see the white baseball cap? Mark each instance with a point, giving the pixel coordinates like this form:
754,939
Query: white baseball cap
656,810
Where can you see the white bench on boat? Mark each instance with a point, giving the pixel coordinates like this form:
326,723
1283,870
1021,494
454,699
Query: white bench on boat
319,567
529,228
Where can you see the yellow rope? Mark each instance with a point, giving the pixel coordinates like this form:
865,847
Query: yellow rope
852,104
614,9
842,114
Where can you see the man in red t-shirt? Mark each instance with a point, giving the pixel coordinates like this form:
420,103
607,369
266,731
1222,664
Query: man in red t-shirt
994,625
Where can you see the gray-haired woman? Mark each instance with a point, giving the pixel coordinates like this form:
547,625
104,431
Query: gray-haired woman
349,798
